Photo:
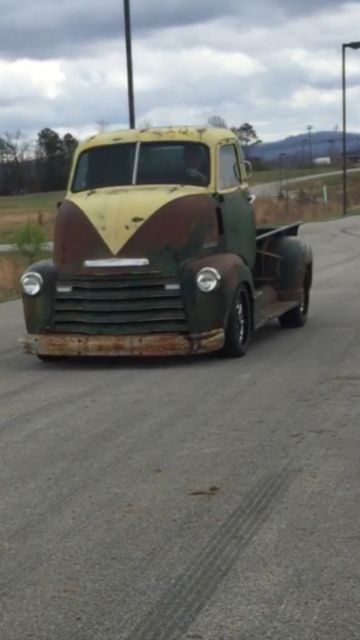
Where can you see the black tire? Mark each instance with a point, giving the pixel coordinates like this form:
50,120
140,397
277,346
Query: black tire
238,331
296,317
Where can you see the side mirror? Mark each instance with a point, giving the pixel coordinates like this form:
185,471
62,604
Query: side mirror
248,167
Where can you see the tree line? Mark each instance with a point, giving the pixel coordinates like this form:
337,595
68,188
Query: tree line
245,132
33,166
43,164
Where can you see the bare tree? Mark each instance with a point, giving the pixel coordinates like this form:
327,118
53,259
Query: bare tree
217,121
102,124
145,124
14,153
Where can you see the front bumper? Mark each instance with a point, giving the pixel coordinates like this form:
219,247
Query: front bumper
70,345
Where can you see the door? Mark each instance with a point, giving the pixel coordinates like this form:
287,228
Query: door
237,212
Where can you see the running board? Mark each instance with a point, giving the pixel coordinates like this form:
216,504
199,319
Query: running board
275,310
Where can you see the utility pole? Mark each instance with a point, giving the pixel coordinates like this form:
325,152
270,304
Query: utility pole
310,128
129,64
303,163
349,45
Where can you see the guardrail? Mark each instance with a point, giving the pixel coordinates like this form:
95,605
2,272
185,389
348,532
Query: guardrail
12,248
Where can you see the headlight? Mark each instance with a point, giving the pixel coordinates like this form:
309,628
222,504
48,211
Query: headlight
208,279
31,283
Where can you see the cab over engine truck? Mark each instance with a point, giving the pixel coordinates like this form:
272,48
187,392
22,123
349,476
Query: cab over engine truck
156,252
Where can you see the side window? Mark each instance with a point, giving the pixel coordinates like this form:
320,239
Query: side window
228,161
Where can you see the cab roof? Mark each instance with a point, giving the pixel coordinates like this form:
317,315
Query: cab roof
207,135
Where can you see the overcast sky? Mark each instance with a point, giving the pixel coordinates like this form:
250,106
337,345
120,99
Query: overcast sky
274,63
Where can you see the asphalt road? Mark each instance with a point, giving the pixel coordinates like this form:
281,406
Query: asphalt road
201,499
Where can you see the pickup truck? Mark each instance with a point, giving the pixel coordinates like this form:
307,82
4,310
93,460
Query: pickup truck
156,252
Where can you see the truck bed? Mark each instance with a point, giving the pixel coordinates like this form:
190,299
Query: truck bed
263,233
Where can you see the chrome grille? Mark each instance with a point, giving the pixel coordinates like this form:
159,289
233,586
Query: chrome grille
119,305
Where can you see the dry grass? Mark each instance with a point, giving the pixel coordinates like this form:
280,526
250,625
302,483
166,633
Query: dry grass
11,268
9,224
37,208
307,204
274,211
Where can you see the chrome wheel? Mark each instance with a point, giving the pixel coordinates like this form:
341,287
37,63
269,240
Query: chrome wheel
238,330
240,319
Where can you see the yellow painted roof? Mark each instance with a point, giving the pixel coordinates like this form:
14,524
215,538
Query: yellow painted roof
207,135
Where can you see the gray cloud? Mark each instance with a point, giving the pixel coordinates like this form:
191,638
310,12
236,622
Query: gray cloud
44,29
274,63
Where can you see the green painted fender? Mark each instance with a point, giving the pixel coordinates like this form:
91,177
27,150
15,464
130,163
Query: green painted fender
38,309
208,311
296,265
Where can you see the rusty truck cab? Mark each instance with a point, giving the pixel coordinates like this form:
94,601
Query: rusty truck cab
152,241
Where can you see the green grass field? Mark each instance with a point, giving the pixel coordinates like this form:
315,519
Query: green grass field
329,181
16,210
30,203
35,203
273,175
41,207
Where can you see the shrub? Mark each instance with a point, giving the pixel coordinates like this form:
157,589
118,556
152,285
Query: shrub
29,239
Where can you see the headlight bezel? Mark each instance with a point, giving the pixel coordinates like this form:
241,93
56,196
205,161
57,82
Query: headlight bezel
213,279
34,289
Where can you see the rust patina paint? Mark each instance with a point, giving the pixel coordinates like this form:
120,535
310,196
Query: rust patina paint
178,229
76,238
184,226
136,345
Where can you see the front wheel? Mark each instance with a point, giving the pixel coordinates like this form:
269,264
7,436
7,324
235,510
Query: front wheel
238,332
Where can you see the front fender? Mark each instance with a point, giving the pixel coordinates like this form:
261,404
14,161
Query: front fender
38,309
208,311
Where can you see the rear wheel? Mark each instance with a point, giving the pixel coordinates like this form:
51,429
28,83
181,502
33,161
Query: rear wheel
297,317
238,332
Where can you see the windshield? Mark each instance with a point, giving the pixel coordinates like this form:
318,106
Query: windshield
146,163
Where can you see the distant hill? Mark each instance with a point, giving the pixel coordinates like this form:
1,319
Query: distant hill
324,143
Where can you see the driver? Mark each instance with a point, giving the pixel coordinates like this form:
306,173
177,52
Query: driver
194,164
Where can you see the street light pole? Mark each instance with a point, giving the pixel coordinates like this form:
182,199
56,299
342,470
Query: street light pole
344,131
129,64
350,45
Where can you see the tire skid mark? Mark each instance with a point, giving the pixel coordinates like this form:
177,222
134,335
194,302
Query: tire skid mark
8,350
101,437
349,232
22,533
65,402
10,393
174,613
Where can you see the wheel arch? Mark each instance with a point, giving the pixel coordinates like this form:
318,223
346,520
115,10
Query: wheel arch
210,310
